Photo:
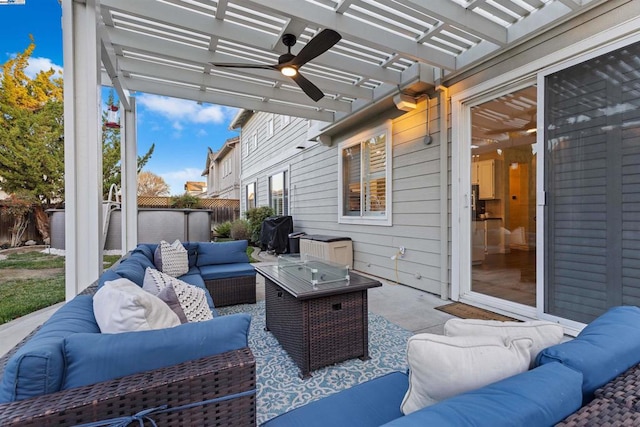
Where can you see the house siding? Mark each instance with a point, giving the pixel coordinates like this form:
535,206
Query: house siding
314,194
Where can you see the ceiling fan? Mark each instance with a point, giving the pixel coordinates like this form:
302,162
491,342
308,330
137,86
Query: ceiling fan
529,127
289,64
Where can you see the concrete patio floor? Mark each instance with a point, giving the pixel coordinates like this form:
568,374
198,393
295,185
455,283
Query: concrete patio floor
407,307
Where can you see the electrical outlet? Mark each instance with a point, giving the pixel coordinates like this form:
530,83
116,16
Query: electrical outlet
402,250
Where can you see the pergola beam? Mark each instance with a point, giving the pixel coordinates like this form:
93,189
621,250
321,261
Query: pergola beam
178,52
177,17
227,84
355,30
194,94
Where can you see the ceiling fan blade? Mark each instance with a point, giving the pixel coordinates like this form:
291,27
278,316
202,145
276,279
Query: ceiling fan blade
307,87
316,47
233,65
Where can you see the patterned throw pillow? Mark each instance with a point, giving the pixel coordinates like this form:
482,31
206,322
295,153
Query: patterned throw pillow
171,259
191,301
155,281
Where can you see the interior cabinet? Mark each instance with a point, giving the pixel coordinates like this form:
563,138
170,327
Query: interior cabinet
485,177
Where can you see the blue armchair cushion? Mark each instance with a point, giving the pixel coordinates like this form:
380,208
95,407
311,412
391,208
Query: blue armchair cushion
222,253
369,404
38,367
225,271
192,252
108,276
604,349
92,358
145,249
132,269
540,397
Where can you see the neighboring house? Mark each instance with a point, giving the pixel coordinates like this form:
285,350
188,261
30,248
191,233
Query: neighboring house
223,171
196,188
537,213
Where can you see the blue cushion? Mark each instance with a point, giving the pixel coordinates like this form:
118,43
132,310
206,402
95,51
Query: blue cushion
371,403
132,270
196,280
224,271
604,349
146,249
141,259
222,253
38,367
192,252
92,358
108,276
540,397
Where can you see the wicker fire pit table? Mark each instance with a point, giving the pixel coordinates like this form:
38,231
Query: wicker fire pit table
317,310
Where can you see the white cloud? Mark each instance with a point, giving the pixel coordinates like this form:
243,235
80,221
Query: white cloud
178,126
202,132
41,64
176,179
180,111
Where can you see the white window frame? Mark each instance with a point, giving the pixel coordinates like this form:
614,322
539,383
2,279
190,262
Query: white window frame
287,184
254,141
255,194
382,220
270,128
285,120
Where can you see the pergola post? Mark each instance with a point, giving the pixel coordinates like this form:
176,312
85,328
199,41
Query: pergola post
129,167
82,145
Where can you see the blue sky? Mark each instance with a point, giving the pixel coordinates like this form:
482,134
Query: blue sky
182,130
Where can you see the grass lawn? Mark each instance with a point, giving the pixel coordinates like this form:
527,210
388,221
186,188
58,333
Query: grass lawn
34,280
24,289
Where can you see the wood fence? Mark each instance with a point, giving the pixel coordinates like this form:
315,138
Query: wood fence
6,222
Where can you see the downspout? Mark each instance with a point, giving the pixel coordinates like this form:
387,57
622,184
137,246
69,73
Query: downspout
443,99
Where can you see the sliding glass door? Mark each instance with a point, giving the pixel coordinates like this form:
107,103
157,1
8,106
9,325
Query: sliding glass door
592,182
503,197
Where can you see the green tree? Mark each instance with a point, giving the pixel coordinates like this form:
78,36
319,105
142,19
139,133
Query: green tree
31,135
111,173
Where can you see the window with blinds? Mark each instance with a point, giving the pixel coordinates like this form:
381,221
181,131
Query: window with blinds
279,194
251,195
365,175
592,180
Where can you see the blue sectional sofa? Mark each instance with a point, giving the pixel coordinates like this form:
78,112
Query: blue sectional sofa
200,373
566,384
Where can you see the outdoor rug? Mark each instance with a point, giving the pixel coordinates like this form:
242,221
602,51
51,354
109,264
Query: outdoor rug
279,386
466,311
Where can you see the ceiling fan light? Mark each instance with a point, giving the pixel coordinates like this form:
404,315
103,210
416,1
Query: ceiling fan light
288,71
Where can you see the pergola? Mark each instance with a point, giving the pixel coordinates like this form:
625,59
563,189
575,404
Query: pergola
166,47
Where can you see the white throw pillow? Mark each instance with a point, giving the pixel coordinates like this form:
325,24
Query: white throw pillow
543,333
192,299
171,259
442,367
122,306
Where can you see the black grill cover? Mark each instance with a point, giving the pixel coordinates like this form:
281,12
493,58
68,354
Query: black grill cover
274,234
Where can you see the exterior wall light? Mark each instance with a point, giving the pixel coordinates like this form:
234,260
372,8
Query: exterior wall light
404,102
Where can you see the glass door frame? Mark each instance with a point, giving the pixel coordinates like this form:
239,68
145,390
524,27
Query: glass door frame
461,201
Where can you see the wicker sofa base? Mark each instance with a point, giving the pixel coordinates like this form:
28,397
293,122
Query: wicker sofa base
232,291
615,404
187,384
